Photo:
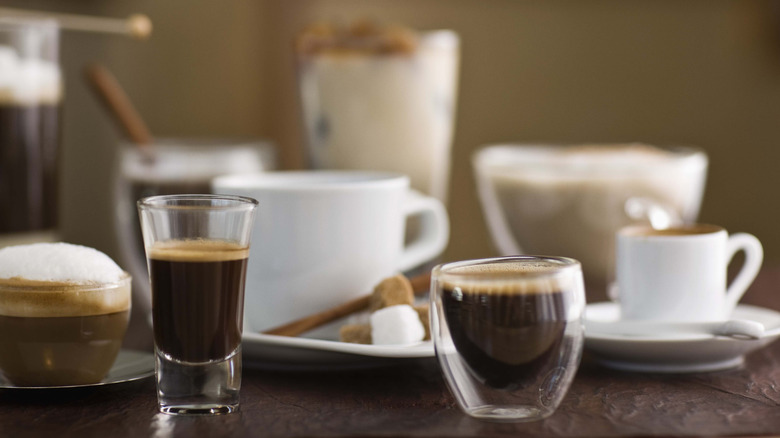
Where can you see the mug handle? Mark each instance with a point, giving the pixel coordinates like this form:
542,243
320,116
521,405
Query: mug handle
754,255
434,230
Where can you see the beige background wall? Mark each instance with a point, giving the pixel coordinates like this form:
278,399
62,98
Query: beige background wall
704,73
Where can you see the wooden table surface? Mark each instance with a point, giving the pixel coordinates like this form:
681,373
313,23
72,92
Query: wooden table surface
411,399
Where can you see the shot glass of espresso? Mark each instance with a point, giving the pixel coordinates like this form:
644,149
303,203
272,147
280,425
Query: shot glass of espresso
508,333
197,248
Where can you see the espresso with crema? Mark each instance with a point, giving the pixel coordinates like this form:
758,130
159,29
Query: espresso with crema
507,332
60,333
197,299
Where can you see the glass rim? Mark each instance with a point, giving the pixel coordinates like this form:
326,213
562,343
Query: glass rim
445,270
205,143
201,201
496,157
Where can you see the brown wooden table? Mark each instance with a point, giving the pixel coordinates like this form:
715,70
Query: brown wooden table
411,400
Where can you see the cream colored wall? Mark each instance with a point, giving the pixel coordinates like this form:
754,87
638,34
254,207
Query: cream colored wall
704,72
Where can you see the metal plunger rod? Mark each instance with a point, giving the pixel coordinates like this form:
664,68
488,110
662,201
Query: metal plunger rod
138,26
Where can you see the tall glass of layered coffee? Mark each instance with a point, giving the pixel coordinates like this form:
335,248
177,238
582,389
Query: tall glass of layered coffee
30,97
197,247
63,314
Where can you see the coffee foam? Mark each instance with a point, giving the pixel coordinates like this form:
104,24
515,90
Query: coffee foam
60,279
28,81
31,298
511,278
58,262
691,230
198,250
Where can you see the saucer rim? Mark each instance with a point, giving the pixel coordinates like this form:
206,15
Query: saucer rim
769,333
137,357
404,351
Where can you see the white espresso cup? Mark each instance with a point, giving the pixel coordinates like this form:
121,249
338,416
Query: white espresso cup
680,274
321,238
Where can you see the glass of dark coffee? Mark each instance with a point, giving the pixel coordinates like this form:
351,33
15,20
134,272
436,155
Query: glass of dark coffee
508,333
30,100
197,248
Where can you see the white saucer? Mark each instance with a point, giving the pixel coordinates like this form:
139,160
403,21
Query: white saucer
300,353
676,353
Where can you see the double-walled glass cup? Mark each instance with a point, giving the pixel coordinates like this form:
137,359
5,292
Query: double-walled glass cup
197,247
508,333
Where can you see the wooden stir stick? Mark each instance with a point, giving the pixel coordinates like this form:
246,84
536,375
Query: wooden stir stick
119,105
420,285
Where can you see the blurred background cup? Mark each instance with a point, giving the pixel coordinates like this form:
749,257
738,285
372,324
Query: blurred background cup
572,200
30,101
380,99
173,166
508,333
330,236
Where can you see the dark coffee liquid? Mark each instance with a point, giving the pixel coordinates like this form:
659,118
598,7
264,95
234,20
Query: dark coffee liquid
197,300
505,338
54,351
28,167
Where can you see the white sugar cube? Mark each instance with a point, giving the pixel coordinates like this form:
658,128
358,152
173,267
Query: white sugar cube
396,325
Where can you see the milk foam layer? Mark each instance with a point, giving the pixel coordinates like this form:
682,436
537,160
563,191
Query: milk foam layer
58,262
519,277
30,298
28,81
198,251
60,279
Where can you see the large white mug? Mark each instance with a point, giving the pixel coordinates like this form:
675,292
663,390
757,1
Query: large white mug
324,237
680,274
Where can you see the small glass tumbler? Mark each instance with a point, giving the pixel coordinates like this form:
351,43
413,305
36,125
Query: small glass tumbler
508,333
197,247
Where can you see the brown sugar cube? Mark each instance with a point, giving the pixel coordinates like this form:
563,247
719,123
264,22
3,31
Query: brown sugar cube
423,311
355,333
392,291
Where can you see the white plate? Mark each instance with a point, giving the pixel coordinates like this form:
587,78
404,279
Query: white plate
129,366
300,353
676,353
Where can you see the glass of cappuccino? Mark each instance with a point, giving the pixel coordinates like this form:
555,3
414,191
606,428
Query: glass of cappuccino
63,314
197,248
